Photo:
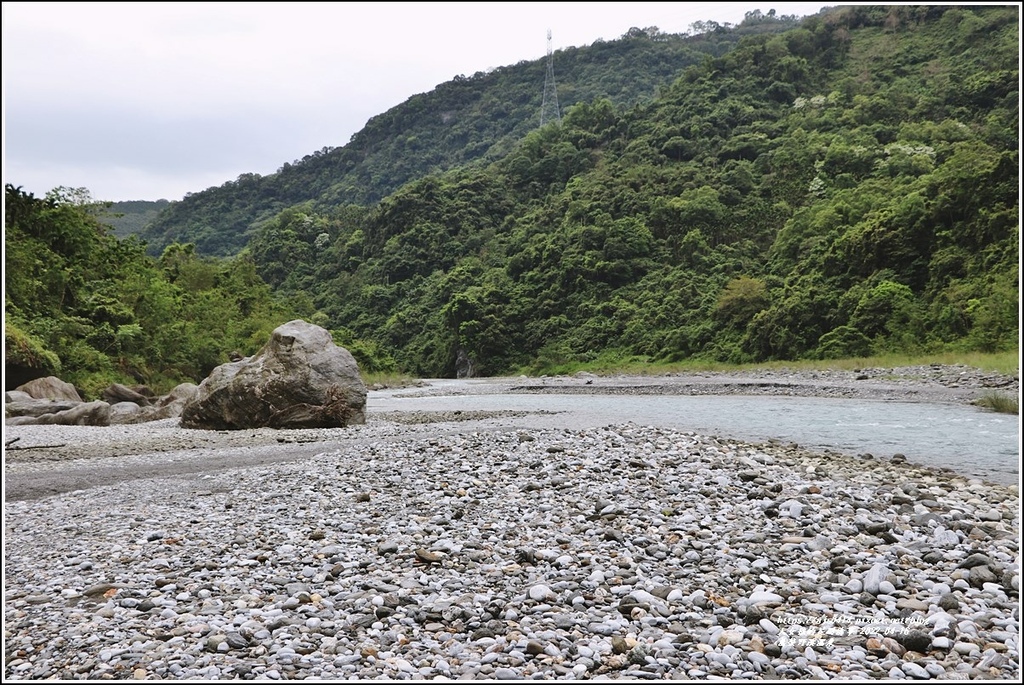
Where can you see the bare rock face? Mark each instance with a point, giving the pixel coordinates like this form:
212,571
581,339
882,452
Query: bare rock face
299,379
50,388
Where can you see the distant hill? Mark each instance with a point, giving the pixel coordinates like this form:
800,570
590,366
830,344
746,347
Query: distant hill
131,217
845,188
469,119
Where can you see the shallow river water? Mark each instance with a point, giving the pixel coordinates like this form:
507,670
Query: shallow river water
967,439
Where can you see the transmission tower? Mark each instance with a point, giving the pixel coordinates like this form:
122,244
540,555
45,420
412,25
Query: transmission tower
549,106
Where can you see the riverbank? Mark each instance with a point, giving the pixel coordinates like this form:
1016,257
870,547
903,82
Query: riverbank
45,460
465,544
626,552
934,383
930,383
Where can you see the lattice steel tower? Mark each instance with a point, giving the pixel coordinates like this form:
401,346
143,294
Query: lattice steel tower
549,105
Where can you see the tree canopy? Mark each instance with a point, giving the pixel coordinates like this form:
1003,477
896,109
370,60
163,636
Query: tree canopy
843,186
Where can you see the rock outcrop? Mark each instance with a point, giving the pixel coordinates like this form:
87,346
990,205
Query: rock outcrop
299,379
22,408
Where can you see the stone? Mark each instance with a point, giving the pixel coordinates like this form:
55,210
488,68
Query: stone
115,392
981,575
299,379
873,578
915,640
915,671
976,560
50,388
912,604
168,406
540,593
84,414
17,396
33,408
125,412
426,556
765,598
534,648
180,393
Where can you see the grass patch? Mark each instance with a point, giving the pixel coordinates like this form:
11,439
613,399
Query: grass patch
1007,363
999,402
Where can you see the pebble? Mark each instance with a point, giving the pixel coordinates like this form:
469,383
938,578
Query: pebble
626,552
915,671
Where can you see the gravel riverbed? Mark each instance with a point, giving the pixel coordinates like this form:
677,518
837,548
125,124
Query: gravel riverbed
447,547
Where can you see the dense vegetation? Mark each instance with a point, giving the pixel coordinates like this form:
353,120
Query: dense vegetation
131,217
92,309
843,188
466,120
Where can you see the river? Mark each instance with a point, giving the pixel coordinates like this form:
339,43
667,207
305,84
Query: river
966,439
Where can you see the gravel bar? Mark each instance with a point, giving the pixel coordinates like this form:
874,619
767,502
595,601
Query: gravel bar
626,552
456,545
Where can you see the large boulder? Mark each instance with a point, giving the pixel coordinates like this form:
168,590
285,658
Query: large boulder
299,379
181,393
126,412
50,388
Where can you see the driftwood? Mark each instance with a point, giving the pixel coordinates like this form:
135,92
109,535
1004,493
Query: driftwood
7,445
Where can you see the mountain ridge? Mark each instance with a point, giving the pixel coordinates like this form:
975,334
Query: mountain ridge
463,121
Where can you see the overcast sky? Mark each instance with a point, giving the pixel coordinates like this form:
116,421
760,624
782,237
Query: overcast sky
143,101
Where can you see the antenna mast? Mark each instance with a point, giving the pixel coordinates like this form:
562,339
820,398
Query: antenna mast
549,105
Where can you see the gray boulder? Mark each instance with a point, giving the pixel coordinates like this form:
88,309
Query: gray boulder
37,408
116,392
17,396
179,395
168,406
83,414
299,379
50,388
125,412
21,421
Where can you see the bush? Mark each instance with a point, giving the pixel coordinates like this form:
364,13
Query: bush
999,402
25,350
842,342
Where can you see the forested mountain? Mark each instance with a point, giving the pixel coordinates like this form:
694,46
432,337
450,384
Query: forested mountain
468,119
132,216
845,187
